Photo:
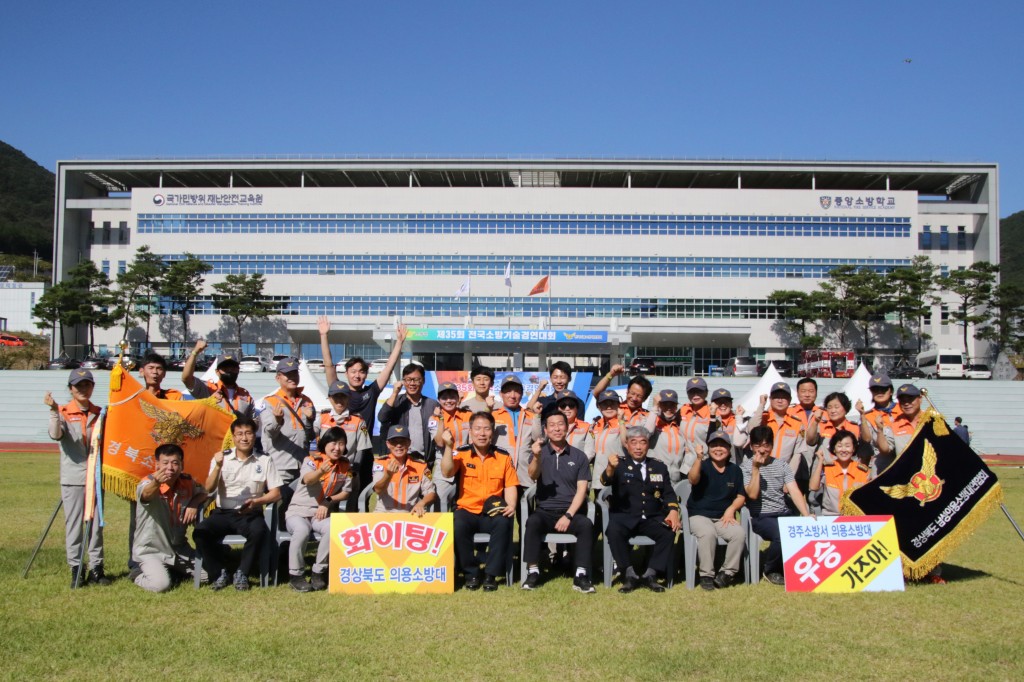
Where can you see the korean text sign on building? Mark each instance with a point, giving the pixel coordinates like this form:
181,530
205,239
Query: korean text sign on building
841,554
376,553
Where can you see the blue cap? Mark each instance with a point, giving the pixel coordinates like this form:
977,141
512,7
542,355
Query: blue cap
397,431
695,384
721,394
287,365
605,396
719,435
668,396
907,391
880,380
338,388
79,375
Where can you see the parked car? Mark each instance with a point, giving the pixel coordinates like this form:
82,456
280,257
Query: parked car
376,366
64,362
271,366
315,365
251,363
741,366
978,372
11,340
130,361
906,370
94,362
642,366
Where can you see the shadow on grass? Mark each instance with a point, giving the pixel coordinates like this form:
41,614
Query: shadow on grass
952,572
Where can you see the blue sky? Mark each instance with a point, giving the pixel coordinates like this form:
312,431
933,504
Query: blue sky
788,80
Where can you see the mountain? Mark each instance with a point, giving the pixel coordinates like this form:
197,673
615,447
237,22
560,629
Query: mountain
26,204
1011,249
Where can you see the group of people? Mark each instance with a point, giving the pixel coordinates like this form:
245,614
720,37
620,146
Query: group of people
477,455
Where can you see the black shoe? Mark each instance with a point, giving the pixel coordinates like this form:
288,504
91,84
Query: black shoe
652,584
472,582
723,579
77,577
96,576
707,583
241,581
532,581
134,573
319,581
490,583
221,582
629,583
299,584
775,578
581,583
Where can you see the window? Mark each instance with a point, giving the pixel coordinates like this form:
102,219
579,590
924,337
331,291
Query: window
944,237
944,314
926,236
961,238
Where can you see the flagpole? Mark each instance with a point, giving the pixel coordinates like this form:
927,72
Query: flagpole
509,305
549,299
469,300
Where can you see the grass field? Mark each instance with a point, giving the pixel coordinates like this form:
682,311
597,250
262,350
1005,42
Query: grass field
971,628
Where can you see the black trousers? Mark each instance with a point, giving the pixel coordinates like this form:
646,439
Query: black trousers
542,522
621,527
465,525
209,536
767,526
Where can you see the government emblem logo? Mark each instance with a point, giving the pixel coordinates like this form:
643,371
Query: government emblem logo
826,202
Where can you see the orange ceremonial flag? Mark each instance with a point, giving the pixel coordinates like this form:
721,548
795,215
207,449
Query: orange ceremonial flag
542,286
137,423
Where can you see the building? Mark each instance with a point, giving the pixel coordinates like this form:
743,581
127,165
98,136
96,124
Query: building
670,259
17,299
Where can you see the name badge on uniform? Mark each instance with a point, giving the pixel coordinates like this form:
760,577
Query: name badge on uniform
259,468
414,479
470,466
655,478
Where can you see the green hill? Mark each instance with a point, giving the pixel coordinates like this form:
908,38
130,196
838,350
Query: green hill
26,204
1011,249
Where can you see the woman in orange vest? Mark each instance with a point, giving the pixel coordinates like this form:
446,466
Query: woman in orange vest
821,430
839,476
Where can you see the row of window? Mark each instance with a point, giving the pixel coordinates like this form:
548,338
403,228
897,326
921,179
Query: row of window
669,226
571,217
582,266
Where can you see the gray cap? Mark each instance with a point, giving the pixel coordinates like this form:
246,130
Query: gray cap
511,379
721,394
719,435
696,383
79,375
907,391
338,388
398,431
227,357
287,365
606,396
781,387
880,380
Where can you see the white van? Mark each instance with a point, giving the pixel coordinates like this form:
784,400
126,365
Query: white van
943,363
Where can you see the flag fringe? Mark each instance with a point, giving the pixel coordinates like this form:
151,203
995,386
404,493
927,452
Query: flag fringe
120,483
915,570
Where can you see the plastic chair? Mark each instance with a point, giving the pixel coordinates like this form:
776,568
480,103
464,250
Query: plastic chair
266,551
682,489
526,504
636,541
753,554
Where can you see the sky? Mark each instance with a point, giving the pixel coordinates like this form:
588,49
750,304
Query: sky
880,81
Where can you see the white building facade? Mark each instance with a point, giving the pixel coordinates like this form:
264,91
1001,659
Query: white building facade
670,259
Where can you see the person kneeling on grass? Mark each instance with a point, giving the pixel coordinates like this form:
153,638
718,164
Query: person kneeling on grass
401,483
169,502
562,473
716,497
488,493
642,503
767,480
325,479
244,482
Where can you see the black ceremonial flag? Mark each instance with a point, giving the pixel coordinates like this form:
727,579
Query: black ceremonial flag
938,491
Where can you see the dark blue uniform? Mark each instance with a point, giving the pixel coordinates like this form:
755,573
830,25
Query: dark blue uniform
641,498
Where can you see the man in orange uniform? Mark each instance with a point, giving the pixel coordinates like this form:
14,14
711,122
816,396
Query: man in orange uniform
402,484
487,478
513,425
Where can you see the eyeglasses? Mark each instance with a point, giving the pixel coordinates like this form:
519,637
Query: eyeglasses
412,380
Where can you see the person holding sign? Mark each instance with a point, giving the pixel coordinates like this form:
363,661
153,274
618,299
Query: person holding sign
562,473
401,483
767,479
489,492
325,479
716,497
642,503
169,502
840,474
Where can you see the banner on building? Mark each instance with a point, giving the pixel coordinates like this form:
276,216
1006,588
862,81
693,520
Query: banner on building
841,554
377,553
938,491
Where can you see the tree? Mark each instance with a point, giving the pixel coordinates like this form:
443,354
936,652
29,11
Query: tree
909,291
799,309
183,284
90,299
854,296
1006,330
973,289
54,308
241,299
135,288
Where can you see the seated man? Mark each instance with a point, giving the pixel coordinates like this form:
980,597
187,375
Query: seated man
325,480
402,484
486,480
244,482
562,473
642,503
767,479
715,499
169,502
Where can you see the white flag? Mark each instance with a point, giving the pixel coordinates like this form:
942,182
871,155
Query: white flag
508,274
463,290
